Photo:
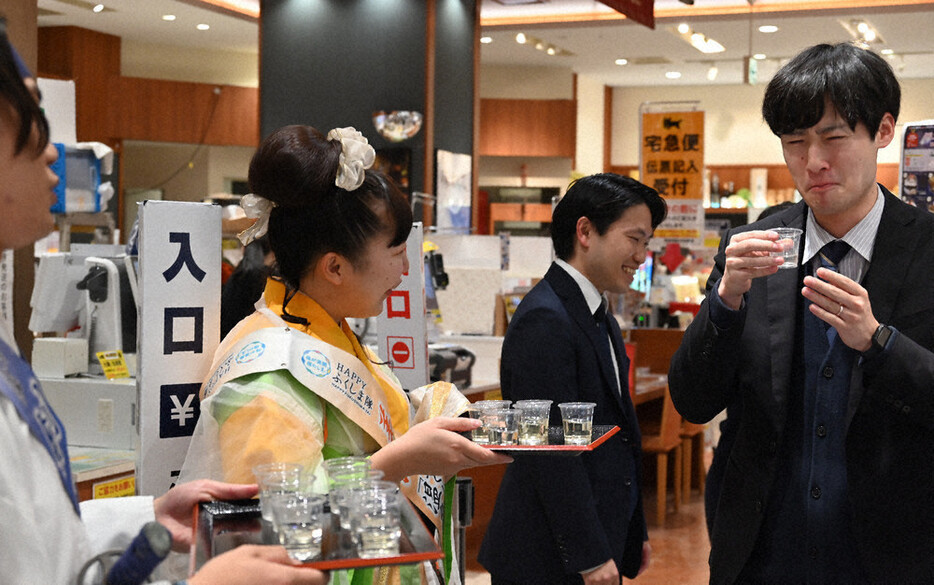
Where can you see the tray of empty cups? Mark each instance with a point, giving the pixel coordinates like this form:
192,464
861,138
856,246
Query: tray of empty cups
361,521
522,428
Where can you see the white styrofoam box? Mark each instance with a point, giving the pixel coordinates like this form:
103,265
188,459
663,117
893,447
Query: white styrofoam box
529,256
96,412
487,350
468,303
467,251
57,357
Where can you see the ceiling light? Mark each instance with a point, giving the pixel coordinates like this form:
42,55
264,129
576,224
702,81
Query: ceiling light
540,45
486,40
683,28
759,57
98,8
551,50
168,17
712,73
521,39
862,31
673,74
622,61
705,45
699,41
768,28
203,26
887,52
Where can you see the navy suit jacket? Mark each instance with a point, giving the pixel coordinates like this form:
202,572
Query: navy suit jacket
890,413
556,516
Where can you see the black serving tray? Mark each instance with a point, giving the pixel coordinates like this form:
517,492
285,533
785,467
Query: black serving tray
224,525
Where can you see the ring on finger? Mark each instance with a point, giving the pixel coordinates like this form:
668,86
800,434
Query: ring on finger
840,312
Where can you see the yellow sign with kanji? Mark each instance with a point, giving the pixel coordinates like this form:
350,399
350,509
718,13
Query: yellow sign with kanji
673,153
115,488
114,364
672,163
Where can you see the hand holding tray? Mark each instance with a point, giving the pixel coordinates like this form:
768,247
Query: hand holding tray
222,526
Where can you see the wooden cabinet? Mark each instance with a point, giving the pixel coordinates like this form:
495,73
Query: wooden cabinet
532,212
528,127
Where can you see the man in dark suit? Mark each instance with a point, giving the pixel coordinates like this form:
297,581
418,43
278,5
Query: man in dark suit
831,475
561,520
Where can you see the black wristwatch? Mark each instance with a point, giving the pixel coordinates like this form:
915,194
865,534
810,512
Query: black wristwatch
879,340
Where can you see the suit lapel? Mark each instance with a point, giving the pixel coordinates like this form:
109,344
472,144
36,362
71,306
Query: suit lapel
573,299
781,302
891,257
888,270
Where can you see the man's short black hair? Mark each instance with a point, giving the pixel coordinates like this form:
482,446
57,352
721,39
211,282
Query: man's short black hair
602,199
859,84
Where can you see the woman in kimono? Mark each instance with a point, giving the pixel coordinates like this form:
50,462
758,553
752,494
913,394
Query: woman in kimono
291,382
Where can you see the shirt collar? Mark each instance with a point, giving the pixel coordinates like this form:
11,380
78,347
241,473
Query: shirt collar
861,237
591,295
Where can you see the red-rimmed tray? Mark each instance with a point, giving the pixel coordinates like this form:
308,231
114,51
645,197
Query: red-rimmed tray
222,526
556,444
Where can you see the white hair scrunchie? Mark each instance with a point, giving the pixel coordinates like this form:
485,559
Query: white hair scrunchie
259,208
356,156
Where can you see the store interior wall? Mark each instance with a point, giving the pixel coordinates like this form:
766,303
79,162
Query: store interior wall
173,63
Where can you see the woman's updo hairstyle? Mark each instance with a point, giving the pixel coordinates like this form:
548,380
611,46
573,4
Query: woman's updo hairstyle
295,167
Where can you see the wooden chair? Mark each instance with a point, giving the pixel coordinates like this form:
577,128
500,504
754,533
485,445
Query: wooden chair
667,439
692,458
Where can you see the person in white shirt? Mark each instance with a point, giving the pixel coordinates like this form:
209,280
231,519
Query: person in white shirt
46,536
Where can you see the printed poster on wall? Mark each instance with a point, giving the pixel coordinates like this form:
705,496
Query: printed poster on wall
916,165
672,163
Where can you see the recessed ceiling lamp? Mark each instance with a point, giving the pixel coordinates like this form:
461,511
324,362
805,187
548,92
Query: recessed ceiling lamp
486,40
712,73
544,46
673,74
203,26
768,28
168,17
98,8
862,31
622,61
759,57
697,40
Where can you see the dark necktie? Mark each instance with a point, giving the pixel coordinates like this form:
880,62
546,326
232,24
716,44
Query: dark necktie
832,253
830,256
600,317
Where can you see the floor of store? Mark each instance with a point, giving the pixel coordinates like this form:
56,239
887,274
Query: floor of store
679,549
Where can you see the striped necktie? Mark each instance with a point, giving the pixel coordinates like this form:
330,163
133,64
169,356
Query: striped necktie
832,253
830,256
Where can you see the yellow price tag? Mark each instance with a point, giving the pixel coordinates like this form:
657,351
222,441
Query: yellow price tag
114,364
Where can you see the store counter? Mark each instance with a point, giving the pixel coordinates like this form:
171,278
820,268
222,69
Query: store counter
103,473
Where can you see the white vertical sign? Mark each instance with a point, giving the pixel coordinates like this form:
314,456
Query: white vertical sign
6,289
402,326
179,283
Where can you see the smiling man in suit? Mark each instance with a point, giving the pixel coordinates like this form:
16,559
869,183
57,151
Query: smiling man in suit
564,520
831,474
